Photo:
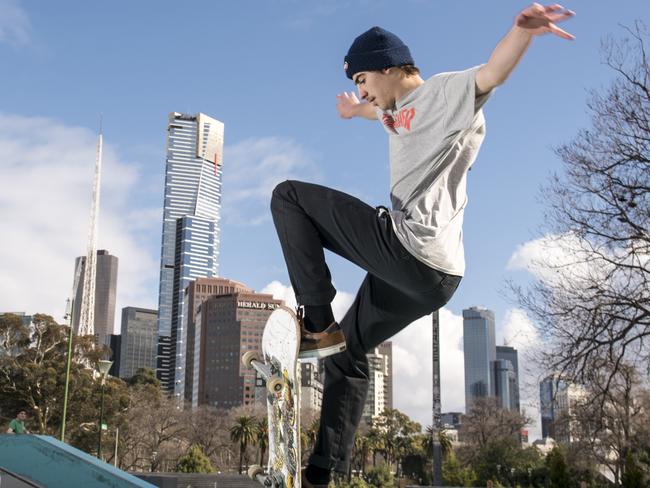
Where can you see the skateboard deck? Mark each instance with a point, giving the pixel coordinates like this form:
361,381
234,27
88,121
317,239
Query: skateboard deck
281,370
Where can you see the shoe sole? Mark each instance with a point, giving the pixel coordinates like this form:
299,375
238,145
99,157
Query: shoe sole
322,353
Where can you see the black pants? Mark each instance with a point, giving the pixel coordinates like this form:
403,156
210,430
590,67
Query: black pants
397,290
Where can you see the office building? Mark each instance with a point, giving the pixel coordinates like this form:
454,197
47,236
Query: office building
232,324
139,340
105,295
558,398
190,232
480,353
116,351
197,292
507,371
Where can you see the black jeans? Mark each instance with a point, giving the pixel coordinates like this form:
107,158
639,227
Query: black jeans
397,290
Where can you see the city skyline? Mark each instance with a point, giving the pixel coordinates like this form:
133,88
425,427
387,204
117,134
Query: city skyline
278,103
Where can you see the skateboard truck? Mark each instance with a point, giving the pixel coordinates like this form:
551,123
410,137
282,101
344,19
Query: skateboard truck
273,480
274,383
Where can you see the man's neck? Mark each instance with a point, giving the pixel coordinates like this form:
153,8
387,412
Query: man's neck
407,85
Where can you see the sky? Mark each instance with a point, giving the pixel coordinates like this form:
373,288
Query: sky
270,70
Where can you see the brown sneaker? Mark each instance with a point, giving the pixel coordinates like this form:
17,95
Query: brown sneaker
321,344
304,482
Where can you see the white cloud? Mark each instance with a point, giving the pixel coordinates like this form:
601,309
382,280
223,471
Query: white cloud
413,367
45,192
340,304
15,26
252,168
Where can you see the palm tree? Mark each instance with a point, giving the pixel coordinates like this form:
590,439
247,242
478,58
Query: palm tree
443,439
243,432
375,444
262,437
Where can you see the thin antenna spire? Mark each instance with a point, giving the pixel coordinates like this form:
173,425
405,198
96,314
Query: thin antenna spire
87,313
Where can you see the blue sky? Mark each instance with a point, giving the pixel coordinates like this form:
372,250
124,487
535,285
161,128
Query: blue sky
270,71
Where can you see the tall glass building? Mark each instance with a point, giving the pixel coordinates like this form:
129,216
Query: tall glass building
190,234
138,341
480,354
507,372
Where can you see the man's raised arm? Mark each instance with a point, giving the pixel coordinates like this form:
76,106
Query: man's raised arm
532,21
348,106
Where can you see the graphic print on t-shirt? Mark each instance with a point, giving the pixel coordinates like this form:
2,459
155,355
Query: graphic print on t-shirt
403,118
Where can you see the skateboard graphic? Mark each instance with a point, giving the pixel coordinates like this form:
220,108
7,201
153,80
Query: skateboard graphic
280,369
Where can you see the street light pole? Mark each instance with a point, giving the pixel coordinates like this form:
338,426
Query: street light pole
103,366
68,316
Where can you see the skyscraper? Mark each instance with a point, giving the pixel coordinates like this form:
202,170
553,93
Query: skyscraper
105,293
480,353
190,233
510,357
139,340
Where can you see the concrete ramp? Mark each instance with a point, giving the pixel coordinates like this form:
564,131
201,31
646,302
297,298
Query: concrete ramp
47,462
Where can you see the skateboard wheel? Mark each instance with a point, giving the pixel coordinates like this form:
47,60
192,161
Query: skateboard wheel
274,384
248,358
254,471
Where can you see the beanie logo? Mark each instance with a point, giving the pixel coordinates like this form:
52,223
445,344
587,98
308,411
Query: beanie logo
345,66
403,118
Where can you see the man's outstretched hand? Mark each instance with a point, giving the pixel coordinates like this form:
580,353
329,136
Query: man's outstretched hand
538,19
346,104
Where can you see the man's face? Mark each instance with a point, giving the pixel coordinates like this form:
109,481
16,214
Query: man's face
376,87
22,415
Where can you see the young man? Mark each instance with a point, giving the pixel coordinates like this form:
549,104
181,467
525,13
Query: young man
413,253
17,425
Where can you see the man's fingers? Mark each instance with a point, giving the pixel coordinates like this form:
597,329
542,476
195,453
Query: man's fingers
554,29
560,17
553,8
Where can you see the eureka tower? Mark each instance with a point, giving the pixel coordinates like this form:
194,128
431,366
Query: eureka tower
190,233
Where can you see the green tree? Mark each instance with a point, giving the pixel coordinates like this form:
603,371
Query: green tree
375,444
380,476
33,374
397,430
195,461
262,437
144,376
453,474
558,473
243,433
14,336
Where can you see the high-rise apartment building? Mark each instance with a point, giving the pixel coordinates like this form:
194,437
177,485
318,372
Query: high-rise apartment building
232,325
138,341
378,371
386,350
190,232
311,387
480,353
105,295
197,292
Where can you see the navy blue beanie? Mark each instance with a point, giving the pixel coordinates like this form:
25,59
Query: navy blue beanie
375,50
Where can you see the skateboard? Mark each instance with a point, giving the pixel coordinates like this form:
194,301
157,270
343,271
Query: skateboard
280,369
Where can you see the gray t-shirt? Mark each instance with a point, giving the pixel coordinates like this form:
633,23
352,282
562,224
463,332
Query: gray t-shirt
435,133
